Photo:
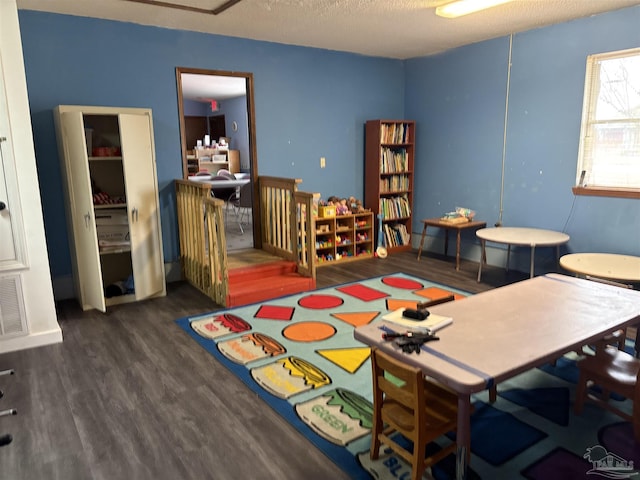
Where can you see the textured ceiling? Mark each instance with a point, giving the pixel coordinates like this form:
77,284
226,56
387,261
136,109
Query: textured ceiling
387,28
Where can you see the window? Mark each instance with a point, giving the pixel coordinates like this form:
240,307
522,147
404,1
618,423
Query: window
609,155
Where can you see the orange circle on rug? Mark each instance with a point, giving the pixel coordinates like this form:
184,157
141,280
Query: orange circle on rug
309,331
404,283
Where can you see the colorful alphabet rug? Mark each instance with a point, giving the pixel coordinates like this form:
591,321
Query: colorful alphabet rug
298,353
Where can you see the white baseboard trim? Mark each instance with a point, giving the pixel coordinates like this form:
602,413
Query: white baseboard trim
39,339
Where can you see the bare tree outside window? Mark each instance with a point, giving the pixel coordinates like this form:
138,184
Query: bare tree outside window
610,135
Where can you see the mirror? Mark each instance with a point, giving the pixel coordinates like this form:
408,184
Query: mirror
213,104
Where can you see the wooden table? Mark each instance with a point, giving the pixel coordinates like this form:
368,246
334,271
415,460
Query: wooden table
220,184
500,333
437,222
529,237
608,266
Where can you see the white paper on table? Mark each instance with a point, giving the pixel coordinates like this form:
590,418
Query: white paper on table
433,322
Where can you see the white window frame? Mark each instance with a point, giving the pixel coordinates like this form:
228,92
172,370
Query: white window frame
611,167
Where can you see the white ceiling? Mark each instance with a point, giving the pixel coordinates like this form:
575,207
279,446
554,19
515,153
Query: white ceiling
204,88
387,28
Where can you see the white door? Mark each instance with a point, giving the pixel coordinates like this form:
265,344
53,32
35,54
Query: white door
83,219
142,203
12,241
7,248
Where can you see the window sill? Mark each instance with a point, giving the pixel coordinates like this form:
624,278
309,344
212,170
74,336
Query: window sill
607,192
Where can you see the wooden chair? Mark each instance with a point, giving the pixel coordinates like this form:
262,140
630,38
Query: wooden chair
418,409
612,370
619,337
223,172
242,203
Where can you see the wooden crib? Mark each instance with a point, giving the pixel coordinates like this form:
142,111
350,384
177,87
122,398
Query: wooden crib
285,224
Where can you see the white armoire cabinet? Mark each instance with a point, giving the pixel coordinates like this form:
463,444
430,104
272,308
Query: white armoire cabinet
111,190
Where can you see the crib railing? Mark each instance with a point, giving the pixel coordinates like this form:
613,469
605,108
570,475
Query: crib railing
287,222
277,215
203,248
306,234
287,228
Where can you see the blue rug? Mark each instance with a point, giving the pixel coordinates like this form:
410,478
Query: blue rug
299,355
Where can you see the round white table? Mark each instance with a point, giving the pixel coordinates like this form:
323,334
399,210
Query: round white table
609,266
520,236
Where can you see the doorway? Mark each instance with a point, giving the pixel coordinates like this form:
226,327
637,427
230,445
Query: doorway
224,102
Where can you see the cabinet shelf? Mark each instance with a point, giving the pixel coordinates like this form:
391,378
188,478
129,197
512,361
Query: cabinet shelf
394,193
212,160
111,251
104,206
389,167
120,299
348,247
104,159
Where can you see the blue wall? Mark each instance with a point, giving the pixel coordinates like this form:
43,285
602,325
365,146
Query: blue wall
235,110
195,109
312,103
458,101
309,103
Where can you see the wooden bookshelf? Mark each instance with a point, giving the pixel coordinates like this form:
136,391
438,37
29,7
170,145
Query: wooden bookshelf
388,183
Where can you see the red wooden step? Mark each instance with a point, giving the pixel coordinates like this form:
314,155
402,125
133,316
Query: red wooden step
262,270
264,282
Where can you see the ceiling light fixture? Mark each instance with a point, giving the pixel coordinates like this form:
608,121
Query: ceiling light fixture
465,7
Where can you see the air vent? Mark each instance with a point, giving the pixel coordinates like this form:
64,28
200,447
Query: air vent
12,315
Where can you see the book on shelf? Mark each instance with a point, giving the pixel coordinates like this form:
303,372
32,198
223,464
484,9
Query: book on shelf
432,323
394,183
394,161
394,133
395,207
396,235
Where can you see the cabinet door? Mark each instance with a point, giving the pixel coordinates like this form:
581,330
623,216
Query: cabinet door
233,157
83,220
142,204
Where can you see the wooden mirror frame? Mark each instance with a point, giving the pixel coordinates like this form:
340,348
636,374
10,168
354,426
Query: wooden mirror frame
253,160
253,163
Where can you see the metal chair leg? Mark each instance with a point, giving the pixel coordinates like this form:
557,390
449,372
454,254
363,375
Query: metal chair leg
6,439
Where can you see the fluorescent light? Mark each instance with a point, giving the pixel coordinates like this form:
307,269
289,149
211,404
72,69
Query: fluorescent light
465,7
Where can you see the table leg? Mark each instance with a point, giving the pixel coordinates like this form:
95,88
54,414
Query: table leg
446,241
458,250
463,436
508,255
424,234
533,256
483,257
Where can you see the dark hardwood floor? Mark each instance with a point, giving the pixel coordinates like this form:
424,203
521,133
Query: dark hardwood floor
128,395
